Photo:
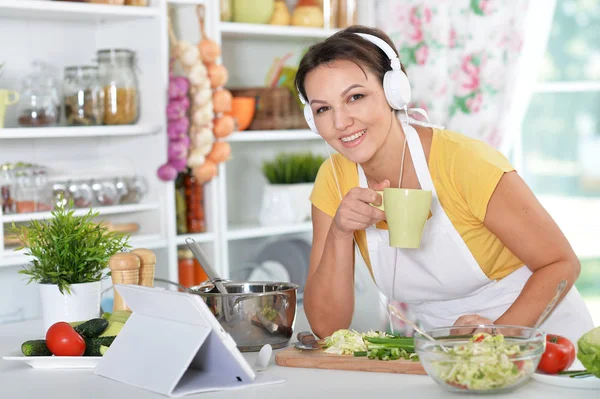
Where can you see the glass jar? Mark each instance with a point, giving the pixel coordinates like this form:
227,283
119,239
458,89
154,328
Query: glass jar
121,91
83,96
186,267
33,192
7,184
39,104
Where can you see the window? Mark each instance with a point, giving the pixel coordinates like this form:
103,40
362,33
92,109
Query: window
560,141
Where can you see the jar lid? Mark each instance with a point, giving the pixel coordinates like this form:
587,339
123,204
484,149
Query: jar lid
185,253
115,54
81,68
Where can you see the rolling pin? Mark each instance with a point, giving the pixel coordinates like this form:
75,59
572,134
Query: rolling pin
147,266
124,269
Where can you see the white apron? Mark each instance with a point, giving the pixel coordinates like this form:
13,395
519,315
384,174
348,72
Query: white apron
442,281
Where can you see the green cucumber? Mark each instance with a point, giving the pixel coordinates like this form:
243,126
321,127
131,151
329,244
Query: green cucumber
93,345
35,347
92,328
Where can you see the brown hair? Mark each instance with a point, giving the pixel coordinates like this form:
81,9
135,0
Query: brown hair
346,45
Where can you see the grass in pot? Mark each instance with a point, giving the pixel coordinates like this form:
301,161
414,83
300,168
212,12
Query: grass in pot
70,257
290,178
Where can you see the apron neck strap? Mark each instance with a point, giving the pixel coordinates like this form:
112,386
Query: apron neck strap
418,157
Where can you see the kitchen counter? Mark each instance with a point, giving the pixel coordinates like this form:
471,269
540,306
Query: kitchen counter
21,381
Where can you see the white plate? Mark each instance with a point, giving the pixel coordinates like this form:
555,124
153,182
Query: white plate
566,381
54,362
270,271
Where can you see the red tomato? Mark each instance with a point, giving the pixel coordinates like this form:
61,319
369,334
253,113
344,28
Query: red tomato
559,354
63,340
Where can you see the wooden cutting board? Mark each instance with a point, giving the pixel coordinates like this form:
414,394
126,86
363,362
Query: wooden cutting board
318,359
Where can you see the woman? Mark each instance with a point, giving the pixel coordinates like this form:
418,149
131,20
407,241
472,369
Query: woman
489,253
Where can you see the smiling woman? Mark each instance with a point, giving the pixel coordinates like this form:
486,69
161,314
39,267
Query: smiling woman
489,253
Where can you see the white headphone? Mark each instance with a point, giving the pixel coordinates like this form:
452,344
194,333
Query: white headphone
395,82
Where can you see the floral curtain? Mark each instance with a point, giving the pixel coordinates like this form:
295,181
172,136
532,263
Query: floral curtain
462,58
472,65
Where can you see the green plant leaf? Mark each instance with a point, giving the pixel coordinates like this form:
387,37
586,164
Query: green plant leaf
292,168
68,249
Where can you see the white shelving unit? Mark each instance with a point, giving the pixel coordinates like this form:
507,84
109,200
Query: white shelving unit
76,12
233,30
65,34
273,135
68,33
77,132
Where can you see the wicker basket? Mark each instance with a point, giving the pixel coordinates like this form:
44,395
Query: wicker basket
276,108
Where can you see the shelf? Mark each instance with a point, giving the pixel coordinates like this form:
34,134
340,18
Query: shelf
236,30
77,131
200,237
186,2
273,135
104,210
69,11
247,231
149,241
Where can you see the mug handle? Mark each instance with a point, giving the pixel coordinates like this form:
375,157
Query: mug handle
15,98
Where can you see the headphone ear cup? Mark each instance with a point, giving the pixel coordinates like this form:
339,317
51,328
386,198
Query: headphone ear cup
308,115
397,89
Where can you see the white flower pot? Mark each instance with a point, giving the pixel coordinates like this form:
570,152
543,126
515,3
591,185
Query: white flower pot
285,203
82,303
301,205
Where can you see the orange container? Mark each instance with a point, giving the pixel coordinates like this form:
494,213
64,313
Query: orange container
243,109
199,274
187,268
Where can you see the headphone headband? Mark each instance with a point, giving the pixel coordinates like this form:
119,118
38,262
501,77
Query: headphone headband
394,61
395,83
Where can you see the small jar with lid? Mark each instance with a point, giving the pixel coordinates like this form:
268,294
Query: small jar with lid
186,267
83,96
118,75
39,101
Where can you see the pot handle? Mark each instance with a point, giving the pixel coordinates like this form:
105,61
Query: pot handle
235,301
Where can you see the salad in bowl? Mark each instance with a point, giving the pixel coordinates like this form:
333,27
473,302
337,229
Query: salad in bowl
490,359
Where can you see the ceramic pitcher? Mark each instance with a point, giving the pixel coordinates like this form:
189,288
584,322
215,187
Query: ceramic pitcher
5,101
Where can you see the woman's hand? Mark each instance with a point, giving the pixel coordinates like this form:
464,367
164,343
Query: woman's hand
355,211
470,319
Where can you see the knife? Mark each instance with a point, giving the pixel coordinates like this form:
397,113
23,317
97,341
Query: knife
307,340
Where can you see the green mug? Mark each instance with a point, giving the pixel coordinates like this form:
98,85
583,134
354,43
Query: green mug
406,211
5,101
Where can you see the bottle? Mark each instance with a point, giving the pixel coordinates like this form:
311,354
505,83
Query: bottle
194,205
346,13
186,267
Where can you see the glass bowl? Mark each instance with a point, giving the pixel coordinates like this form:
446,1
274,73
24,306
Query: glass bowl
501,361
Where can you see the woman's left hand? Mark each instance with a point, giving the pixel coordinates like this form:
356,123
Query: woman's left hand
470,319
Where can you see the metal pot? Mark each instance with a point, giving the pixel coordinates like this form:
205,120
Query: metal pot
254,313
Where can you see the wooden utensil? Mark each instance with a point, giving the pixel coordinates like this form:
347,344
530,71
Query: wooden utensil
147,266
125,269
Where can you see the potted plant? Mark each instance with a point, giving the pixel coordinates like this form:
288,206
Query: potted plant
290,178
70,258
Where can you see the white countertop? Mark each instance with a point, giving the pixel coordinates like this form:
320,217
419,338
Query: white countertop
21,381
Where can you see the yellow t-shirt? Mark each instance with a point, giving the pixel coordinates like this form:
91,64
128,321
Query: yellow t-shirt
465,173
